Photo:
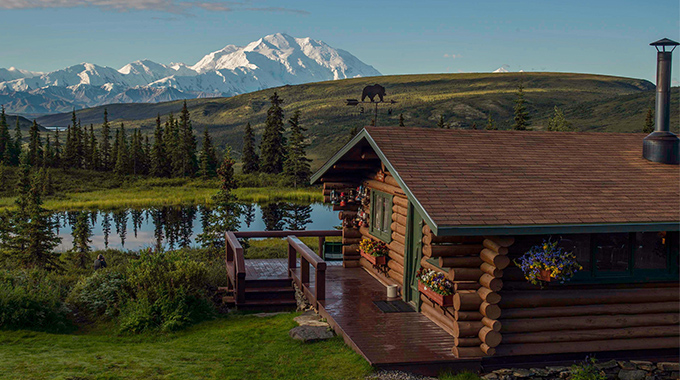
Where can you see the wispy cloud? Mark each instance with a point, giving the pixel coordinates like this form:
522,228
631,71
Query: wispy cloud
170,6
453,56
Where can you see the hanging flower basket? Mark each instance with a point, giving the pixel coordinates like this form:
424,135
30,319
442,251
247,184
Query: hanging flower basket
547,262
440,299
374,251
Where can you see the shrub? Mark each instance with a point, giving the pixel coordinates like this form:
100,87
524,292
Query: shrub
32,300
165,291
587,370
99,294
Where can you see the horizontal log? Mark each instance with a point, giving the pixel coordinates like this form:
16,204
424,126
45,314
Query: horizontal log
495,258
364,231
426,264
351,233
396,277
396,236
460,262
438,318
427,230
342,215
396,256
489,351
398,218
395,266
464,274
592,346
351,241
346,166
390,180
588,322
429,238
451,250
351,257
369,155
503,241
466,300
570,311
467,342
490,337
495,247
349,206
587,335
491,270
350,250
569,297
397,246
488,295
495,284
465,285
397,209
384,187
468,352
463,315
399,228
466,328
493,324
338,185
401,201
490,311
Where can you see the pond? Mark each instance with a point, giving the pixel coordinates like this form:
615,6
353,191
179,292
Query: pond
175,227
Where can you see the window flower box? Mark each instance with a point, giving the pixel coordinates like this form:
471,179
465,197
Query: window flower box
374,251
440,299
375,260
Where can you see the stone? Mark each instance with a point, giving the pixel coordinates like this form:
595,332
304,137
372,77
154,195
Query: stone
643,365
556,369
565,374
521,373
540,372
668,366
626,365
503,371
310,318
310,333
607,365
490,376
632,374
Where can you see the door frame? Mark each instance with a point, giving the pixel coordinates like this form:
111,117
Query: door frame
413,253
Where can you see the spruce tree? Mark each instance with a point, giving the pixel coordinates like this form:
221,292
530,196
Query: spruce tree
122,166
158,155
521,114
5,139
272,145
297,167
48,154
491,124
18,143
107,159
251,161
649,121
401,120
225,210
35,149
558,123
95,158
441,123
57,149
474,125
207,157
185,161
80,253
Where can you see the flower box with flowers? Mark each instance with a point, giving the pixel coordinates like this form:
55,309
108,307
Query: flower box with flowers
547,262
375,252
435,286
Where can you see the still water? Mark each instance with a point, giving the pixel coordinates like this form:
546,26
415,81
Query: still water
178,226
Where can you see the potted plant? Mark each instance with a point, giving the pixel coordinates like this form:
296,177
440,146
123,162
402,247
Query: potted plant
374,251
435,286
547,262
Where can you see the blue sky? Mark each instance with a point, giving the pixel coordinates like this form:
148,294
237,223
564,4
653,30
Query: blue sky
396,37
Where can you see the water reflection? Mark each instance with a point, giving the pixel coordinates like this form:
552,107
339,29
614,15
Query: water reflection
174,227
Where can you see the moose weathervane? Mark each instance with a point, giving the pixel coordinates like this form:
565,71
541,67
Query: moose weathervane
371,92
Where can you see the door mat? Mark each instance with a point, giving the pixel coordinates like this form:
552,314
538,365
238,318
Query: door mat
397,306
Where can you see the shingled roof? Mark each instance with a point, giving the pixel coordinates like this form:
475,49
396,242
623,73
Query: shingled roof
491,181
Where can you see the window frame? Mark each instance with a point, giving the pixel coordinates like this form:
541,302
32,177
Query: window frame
385,236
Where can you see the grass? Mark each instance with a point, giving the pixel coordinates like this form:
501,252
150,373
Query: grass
234,347
278,248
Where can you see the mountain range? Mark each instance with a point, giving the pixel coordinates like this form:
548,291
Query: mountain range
271,61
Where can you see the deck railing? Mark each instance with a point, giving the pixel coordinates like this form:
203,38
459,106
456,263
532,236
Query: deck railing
236,263
307,258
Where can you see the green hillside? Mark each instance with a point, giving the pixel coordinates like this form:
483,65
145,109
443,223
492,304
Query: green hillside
24,123
590,102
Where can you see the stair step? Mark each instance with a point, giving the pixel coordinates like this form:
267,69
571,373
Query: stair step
268,305
269,283
229,300
224,289
270,294
270,290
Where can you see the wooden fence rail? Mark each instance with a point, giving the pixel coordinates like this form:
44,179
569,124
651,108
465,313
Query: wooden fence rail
236,267
307,258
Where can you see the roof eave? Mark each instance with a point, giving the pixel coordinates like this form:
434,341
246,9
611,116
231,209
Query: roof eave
557,228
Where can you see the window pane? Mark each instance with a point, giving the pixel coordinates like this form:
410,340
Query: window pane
387,219
650,250
612,252
580,246
378,207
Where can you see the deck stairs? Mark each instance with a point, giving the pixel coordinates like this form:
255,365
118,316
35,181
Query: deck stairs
263,294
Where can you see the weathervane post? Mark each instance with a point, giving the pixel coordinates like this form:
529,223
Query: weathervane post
371,92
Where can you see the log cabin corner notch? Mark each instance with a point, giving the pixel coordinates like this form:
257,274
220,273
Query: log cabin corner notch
466,203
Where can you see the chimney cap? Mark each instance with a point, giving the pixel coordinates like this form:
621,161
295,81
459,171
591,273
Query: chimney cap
663,43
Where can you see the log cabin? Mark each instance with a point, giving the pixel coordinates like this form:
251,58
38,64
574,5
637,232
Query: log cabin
468,203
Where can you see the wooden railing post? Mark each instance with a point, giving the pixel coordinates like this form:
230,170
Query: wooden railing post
304,270
292,258
320,282
322,240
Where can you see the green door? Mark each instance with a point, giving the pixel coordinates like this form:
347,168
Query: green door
414,252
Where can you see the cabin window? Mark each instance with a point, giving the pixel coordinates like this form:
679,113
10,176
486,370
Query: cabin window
381,216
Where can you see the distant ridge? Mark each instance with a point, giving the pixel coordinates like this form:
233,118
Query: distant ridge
271,61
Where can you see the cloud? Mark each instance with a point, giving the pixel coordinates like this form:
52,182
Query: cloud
170,6
454,56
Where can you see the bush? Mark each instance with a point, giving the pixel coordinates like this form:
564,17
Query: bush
32,300
166,291
99,294
587,371
262,180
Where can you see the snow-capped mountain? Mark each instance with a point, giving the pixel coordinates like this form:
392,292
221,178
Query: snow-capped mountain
501,70
272,61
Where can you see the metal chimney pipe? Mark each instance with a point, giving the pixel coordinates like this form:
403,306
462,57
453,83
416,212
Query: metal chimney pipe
662,145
